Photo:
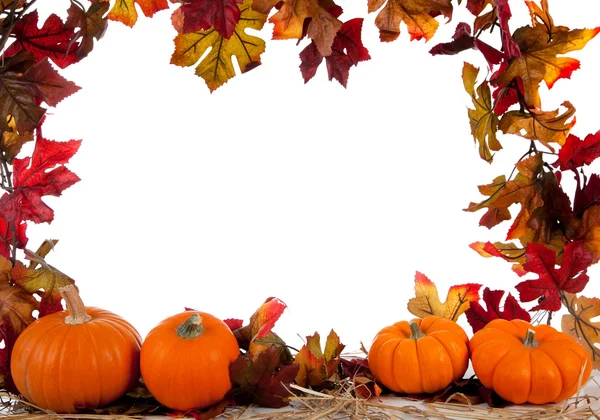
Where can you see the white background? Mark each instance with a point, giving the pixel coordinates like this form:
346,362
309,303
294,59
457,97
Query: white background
327,198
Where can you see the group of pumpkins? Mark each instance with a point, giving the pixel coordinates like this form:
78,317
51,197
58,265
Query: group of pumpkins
87,357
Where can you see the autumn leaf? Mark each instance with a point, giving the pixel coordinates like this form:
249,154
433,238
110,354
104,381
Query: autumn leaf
8,336
87,25
347,51
427,301
546,127
587,196
463,40
571,277
478,317
216,68
124,11
417,15
263,381
37,176
52,40
12,142
222,15
540,58
576,153
364,383
316,366
509,45
483,119
579,325
6,237
16,304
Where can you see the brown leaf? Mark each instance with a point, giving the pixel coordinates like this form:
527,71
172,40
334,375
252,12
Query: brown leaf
16,304
12,141
578,324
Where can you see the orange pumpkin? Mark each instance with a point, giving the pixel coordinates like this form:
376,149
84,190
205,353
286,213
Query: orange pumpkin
523,363
81,357
420,356
185,360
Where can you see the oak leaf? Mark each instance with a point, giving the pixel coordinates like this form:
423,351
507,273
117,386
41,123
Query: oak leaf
579,325
124,11
417,15
546,127
216,68
427,301
571,277
87,25
347,51
483,119
37,176
540,58
290,21
576,153
222,15
316,366
478,317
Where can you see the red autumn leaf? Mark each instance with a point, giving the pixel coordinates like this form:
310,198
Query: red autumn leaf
53,40
47,84
234,324
87,25
199,15
263,381
571,277
510,46
507,251
506,95
41,175
576,152
587,196
6,237
463,40
261,322
347,50
478,317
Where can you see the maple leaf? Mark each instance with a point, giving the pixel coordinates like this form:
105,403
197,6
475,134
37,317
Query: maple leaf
579,325
216,68
576,153
16,304
53,40
571,277
463,40
7,236
315,365
223,15
427,301
263,381
509,45
347,51
124,11
290,19
232,323
540,61
12,142
483,119
478,317
546,127
87,25
587,196
417,15
42,174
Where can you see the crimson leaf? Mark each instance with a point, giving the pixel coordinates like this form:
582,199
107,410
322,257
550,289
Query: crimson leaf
478,317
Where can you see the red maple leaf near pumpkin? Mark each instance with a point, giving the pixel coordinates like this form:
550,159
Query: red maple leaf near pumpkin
478,317
571,277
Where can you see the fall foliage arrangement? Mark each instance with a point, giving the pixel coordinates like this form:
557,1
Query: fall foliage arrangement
550,242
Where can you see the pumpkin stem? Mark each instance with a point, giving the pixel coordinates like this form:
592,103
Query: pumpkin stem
191,328
529,340
75,306
415,330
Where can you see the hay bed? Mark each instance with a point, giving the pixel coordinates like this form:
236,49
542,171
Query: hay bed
340,404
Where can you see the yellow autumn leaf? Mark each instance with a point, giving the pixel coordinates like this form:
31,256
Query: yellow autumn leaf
124,11
217,68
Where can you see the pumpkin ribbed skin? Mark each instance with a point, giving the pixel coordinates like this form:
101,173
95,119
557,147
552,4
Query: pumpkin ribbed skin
423,365
188,373
548,372
59,366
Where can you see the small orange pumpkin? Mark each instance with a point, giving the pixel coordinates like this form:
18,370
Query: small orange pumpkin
420,356
185,360
523,363
81,357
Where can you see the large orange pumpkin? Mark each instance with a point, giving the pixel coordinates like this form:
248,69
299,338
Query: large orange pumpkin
420,356
81,357
185,360
525,363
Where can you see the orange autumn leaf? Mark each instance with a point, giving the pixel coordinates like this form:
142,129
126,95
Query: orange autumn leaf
11,142
322,25
579,325
542,58
124,11
217,67
417,15
546,127
315,365
427,301
483,119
